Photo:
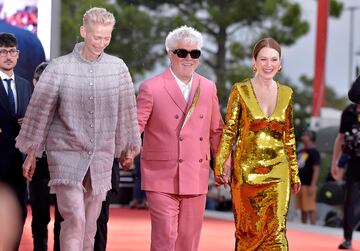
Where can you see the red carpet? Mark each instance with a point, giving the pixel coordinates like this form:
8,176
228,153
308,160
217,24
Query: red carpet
129,230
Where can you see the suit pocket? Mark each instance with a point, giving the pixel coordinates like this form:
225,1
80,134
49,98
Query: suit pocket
149,155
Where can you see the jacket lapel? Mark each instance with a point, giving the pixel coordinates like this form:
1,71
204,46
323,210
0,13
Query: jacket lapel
195,83
4,98
174,91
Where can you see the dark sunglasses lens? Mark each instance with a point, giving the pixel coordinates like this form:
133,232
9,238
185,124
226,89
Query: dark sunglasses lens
195,53
181,53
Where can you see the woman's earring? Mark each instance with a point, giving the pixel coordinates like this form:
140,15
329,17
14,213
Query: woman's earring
253,68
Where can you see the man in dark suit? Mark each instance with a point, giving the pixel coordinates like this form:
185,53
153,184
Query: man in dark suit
15,93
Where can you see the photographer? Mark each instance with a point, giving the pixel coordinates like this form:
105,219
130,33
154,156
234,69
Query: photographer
348,140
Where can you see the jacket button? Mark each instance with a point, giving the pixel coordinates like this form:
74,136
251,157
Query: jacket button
181,138
180,160
200,160
176,116
201,116
201,138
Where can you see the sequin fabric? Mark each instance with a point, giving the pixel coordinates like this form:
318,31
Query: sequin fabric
264,166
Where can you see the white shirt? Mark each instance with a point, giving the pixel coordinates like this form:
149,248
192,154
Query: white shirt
13,86
185,88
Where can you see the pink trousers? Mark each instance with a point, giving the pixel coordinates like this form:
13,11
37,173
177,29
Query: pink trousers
176,221
80,210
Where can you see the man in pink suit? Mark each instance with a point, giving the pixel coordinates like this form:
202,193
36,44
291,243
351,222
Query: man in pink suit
178,111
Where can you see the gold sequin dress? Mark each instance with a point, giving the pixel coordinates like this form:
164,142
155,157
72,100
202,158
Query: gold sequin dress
264,166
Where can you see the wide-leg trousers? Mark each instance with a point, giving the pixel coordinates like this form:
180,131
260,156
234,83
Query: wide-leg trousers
80,210
176,221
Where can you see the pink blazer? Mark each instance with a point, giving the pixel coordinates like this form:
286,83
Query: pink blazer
174,159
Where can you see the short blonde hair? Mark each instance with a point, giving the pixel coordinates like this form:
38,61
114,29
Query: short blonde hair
183,33
98,15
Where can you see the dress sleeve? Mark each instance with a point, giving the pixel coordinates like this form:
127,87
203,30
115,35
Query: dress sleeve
230,130
39,113
127,137
290,146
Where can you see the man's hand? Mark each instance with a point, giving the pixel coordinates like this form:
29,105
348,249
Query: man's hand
29,166
336,173
19,121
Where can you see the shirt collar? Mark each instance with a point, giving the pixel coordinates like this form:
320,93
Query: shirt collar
4,76
180,82
77,52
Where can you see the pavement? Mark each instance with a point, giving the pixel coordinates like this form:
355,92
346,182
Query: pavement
293,223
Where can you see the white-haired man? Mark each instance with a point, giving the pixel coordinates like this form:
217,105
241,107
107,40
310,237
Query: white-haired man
83,114
178,111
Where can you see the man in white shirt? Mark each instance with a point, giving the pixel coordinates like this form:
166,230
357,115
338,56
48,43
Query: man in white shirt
178,111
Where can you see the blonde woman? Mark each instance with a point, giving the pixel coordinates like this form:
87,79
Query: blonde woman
83,114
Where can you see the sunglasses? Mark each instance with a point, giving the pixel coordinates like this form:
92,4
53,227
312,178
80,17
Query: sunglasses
182,53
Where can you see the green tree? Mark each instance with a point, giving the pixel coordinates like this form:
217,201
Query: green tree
230,27
134,38
303,102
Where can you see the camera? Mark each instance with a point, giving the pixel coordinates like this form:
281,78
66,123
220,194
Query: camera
351,144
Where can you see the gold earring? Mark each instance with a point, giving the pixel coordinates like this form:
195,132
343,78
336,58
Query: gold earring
253,68
280,68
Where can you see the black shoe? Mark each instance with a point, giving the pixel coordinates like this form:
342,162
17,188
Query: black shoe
345,245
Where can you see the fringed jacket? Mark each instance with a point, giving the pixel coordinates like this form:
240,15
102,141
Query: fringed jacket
84,115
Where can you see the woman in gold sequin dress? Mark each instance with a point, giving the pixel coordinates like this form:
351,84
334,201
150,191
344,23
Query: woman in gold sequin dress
259,125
